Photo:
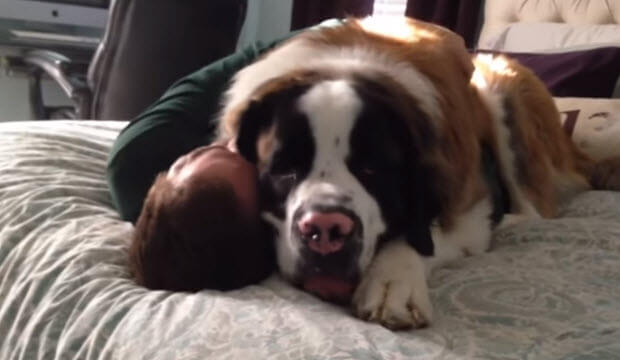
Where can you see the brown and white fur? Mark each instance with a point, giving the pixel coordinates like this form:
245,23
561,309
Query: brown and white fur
328,81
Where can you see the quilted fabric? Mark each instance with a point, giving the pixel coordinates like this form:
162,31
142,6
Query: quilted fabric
501,14
549,289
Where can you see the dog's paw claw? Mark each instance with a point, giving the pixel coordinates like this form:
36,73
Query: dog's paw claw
395,305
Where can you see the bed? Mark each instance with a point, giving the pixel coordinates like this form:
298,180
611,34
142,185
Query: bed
548,289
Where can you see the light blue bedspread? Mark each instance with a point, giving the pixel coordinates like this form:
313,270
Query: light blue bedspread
549,289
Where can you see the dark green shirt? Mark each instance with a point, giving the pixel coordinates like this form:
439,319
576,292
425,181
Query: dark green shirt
181,120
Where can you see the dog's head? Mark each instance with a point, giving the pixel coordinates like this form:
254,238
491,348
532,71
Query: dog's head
347,159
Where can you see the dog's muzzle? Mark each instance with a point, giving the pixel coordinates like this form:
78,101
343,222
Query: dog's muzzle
330,237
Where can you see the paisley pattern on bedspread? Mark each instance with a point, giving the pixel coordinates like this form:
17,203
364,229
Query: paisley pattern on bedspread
549,289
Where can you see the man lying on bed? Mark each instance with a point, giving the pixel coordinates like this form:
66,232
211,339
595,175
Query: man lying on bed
197,227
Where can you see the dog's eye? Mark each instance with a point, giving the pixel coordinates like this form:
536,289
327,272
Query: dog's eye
284,182
290,177
367,170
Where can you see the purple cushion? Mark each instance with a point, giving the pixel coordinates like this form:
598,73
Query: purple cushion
584,73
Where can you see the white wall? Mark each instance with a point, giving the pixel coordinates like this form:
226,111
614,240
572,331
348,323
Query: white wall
13,99
266,20
14,103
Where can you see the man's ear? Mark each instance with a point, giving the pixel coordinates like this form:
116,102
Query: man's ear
257,117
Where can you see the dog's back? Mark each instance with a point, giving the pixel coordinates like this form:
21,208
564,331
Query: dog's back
540,163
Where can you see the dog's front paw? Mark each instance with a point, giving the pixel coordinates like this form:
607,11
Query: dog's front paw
392,303
393,292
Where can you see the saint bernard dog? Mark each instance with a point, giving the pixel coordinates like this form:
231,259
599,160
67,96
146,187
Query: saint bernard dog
384,150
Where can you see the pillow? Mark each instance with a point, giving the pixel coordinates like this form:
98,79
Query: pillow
594,124
535,37
584,73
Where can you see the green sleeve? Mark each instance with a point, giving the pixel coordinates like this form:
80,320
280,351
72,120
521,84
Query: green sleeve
181,120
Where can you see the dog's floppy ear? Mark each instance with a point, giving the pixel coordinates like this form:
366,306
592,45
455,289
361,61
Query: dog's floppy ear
424,209
414,133
250,120
427,185
256,118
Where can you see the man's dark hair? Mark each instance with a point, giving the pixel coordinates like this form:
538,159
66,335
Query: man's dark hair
198,237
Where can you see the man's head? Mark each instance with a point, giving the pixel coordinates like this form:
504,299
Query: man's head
199,226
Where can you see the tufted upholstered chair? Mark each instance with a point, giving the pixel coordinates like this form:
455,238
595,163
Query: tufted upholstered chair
147,45
499,14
